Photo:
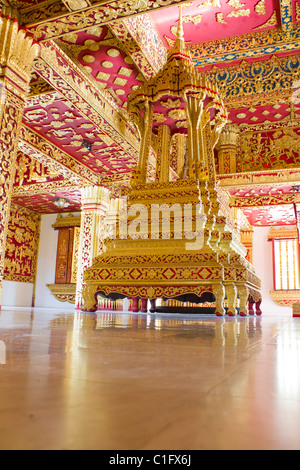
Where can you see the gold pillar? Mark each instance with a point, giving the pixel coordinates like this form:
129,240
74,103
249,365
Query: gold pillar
227,150
163,154
139,174
247,241
94,205
194,109
17,52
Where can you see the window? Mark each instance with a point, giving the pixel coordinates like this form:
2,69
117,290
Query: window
286,270
286,264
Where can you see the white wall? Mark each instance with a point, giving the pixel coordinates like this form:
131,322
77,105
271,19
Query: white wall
263,263
16,294
46,265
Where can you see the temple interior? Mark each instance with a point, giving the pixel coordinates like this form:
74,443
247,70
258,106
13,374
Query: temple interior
149,224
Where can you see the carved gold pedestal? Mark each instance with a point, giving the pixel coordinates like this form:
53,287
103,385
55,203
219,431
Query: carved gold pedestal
152,267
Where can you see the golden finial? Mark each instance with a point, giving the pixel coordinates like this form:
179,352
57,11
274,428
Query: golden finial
180,34
179,43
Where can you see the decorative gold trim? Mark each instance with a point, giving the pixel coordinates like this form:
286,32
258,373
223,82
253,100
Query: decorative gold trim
68,221
63,292
285,298
282,232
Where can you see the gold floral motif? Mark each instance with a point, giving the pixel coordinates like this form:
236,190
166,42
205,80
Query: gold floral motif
235,3
237,13
260,8
22,245
278,149
272,21
220,18
210,3
84,95
45,26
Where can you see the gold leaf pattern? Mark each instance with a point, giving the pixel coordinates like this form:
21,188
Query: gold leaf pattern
260,8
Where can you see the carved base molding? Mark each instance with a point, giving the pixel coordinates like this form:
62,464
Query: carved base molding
296,310
286,298
63,292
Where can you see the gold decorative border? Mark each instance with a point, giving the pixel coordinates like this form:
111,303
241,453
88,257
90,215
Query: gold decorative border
282,232
285,298
63,292
68,221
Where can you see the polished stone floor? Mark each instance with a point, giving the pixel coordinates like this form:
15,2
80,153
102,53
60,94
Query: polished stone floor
123,381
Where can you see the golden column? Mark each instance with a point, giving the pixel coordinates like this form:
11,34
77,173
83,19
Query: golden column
17,52
94,206
163,154
227,150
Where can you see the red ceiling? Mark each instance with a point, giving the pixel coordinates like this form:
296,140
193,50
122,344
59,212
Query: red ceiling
115,72
239,17
44,203
271,216
68,130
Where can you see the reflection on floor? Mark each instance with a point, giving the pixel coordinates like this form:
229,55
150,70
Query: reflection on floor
117,381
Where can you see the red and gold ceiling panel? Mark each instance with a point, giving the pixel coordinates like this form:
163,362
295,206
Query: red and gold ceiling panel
260,114
45,203
209,20
271,216
29,171
100,56
36,187
171,112
265,191
68,130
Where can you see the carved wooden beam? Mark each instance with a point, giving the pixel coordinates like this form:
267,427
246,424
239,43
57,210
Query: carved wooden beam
265,200
253,45
53,21
146,63
262,81
260,179
45,152
27,190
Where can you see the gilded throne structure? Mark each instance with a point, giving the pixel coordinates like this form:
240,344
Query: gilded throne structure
187,246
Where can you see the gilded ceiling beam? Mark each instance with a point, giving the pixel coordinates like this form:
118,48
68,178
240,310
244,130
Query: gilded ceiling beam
27,190
56,68
45,152
264,201
129,36
264,78
260,179
52,22
253,45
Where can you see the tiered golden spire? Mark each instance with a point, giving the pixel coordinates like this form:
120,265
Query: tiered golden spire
179,45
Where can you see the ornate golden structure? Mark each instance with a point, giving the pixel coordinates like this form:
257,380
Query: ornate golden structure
66,71
158,260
